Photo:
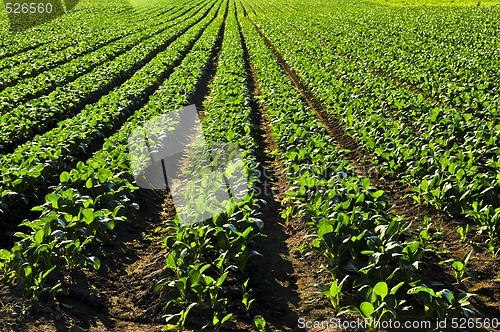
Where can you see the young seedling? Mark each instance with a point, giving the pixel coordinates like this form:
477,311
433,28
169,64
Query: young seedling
490,246
459,268
260,323
463,231
181,321
217,322
332,292
246,300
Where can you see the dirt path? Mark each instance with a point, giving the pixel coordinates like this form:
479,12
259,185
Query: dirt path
283,281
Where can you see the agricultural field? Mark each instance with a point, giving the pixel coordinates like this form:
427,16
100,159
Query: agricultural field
250,165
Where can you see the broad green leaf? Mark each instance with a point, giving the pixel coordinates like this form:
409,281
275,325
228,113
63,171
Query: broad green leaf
96,263
4,254
381,289
64,177
367,309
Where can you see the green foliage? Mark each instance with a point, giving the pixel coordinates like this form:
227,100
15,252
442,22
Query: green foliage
91,198
463,232
206,254
332,292
260,323
428,116
459,268
439,137
352,221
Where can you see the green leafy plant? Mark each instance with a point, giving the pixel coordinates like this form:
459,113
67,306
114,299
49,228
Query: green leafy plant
463,232
260,323
381,303
490,246
443,304
333,291
217,322
246,300
459,268
181,318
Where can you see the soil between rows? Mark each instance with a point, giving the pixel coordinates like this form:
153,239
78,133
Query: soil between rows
284,281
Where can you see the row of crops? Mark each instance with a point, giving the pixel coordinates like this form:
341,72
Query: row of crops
446,150
420,100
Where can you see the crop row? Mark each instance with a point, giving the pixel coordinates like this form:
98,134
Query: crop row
385,88
448,157
27,120
88,41
451,56
33,165
36,86
397,97
56,40
354,228
56,34
91,197
212,255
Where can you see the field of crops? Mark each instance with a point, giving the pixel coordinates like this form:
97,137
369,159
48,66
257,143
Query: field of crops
363,191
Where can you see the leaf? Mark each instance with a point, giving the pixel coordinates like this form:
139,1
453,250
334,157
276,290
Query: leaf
367,309
396,288
424,185
458,266
418,289
47,229
226,318
64,177
381,289
377,194
467,257
39,236
96,263
53,199
87,215
21,235
161,284
109,223
58,234
89,183
4,254
49,271
221,279
448,295
370,145
104,175
259,322
360,199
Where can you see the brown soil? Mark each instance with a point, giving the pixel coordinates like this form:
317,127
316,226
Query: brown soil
284,281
